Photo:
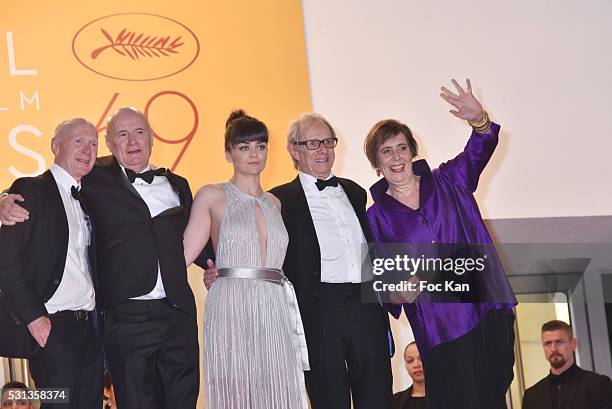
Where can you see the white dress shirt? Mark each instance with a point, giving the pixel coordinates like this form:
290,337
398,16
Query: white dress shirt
75,290
341,239
159,197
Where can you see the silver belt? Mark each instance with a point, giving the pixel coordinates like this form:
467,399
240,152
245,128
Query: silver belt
276,276
267,274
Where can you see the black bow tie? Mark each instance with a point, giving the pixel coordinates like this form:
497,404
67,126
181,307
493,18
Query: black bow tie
75,192
322,184
146,176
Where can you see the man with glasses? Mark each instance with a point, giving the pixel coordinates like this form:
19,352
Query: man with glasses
567,385
328,229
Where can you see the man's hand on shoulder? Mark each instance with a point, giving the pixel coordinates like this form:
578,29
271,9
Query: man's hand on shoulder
10,211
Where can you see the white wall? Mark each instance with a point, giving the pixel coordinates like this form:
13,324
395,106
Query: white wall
542,69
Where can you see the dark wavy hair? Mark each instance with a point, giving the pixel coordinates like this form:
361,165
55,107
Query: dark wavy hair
241,128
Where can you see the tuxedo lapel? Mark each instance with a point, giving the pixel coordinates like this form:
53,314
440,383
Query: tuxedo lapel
358,208
299,210
54,208
183,193
127,190
178,188
56,205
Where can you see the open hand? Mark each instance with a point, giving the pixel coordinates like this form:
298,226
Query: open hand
466,105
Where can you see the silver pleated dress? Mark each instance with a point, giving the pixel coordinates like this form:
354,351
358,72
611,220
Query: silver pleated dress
250,358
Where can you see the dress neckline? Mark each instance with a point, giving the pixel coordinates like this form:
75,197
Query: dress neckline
245,193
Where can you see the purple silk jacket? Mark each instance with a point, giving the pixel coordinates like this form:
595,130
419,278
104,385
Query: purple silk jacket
447,213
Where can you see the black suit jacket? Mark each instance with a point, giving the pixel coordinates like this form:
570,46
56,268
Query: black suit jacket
303,260
130,243
586,390
32,260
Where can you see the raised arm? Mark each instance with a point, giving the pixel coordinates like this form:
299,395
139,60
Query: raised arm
466,105
197,232
465,169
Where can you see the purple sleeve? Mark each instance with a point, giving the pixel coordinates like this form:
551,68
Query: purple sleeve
465,168
394,309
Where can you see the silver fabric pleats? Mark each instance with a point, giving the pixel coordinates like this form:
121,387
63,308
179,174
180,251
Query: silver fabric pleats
252,357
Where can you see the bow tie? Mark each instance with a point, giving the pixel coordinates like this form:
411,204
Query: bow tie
76,193
146,176
322,184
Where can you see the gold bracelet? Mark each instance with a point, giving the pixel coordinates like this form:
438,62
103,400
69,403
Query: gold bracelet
480,124
484,129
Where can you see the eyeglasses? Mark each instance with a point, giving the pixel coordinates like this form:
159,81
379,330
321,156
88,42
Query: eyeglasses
314,144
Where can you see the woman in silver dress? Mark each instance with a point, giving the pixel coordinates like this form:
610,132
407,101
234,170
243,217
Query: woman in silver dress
254,348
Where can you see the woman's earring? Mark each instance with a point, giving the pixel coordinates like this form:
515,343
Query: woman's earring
377,172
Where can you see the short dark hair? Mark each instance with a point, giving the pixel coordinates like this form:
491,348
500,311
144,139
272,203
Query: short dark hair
381,132
13,385
241,128
557,325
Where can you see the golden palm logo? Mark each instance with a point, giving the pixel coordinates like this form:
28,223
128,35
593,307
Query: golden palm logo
153,46
130,44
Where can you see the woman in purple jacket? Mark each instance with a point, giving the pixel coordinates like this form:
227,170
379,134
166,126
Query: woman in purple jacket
465,333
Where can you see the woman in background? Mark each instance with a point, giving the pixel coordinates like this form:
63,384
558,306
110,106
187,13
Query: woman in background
467,343
253,355
414,396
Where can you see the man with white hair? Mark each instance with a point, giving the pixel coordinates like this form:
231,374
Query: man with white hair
47,277
328,230
139,213
347,338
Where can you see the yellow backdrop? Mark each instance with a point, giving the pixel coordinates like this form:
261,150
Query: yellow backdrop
187,63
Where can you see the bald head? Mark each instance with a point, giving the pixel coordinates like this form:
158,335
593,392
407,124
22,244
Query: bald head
111,122
75,146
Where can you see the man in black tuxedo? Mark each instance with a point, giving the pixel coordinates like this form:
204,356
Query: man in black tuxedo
328,230
567,386
150,331
348,339
47,275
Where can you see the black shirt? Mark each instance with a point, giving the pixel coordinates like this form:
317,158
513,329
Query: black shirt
405,400
559,385
575,388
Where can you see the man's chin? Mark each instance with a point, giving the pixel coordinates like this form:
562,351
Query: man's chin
136,165
557,362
